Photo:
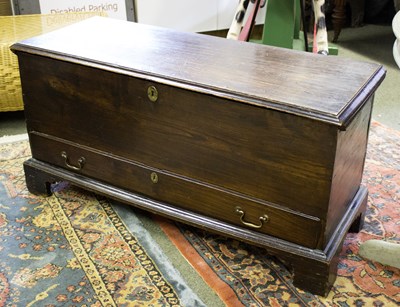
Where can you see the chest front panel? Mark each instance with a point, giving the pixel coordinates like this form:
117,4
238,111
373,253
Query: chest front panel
261,153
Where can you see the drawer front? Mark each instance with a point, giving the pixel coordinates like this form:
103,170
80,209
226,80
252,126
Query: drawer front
269,155
178,191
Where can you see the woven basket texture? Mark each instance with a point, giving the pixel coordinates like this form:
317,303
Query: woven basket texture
5,8
20,27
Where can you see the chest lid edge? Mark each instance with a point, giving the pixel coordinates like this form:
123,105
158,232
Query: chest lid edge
330,89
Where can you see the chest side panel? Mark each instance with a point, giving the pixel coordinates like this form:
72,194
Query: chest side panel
349,165
270,155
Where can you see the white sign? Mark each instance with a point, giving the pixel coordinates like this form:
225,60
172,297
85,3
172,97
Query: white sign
113,8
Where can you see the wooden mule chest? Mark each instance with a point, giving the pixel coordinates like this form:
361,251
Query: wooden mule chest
262,144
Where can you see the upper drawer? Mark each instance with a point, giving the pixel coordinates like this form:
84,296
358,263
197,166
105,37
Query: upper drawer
179,191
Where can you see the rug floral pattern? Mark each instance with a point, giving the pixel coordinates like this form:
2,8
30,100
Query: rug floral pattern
70,249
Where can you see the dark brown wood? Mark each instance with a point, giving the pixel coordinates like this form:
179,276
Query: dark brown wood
358,221
267,148
180,191
338,18
340,13
38,182
313,270
348,168
227,151
296,83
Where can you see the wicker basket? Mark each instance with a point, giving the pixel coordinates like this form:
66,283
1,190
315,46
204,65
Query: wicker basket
5,8
16,28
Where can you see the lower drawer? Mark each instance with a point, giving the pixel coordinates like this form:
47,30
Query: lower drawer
178,191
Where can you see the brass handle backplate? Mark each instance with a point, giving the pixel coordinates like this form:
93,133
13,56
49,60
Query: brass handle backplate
152,93
81,162
263,219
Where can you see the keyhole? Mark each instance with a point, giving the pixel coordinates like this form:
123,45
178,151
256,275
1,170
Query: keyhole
152,93
154,177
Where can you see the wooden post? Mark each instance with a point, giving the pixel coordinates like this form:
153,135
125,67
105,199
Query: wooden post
338,18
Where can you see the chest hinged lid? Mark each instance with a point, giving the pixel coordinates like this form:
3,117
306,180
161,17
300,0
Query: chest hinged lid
329,89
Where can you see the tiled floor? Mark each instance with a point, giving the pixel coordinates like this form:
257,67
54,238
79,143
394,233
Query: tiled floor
12,123
374,43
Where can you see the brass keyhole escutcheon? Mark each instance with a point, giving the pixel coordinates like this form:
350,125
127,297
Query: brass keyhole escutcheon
152,93
154,177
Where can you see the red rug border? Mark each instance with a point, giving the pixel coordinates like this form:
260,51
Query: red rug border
226,293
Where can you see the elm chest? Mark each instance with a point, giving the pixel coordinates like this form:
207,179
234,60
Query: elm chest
263,144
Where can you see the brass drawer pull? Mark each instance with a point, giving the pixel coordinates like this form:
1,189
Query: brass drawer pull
263,219
81,162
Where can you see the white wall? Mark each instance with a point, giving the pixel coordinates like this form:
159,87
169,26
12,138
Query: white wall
190,15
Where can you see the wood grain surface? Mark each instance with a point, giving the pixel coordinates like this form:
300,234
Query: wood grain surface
283,79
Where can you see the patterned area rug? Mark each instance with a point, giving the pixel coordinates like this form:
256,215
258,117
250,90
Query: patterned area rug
78,249
74,249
